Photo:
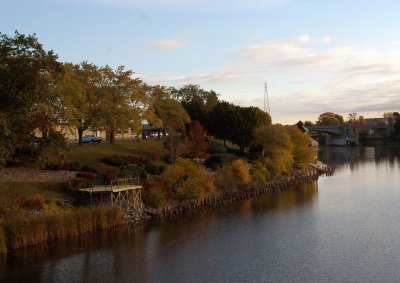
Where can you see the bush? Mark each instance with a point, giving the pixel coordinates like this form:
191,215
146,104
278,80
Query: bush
216,148
234,176
154,169
78,183
218,160
155,196
90,168
110,176
188,180
115,161
132,170
87,175
72,166
138,160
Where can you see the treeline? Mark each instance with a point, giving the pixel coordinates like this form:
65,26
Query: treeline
39,94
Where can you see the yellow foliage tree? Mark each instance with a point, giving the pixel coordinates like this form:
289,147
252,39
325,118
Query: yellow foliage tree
188,180
303,152
234,176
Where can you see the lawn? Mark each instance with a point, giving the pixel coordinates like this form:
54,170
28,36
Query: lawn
92,154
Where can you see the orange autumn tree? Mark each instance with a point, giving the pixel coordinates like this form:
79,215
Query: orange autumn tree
195,141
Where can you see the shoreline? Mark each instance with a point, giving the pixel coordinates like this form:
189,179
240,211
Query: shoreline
189,207
19,235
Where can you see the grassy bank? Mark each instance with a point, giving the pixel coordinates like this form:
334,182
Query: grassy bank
18,198
18,232
93,153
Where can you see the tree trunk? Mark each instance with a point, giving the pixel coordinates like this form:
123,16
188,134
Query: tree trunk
45,136
80,134
112,137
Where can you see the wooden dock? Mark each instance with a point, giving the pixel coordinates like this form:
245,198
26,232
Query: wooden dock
122,192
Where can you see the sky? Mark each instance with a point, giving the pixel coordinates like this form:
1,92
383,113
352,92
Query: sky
315,55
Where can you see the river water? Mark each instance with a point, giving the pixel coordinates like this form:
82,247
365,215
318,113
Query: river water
344,228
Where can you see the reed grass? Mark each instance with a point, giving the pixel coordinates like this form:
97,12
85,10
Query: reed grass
19,232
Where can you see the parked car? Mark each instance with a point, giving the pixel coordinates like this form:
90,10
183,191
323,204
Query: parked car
154,135
91,138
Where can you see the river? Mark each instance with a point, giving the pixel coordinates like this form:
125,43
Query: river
344,228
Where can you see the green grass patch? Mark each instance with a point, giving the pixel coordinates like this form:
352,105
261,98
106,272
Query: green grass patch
93,153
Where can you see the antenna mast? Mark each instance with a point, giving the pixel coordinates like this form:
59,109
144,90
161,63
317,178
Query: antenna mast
266,99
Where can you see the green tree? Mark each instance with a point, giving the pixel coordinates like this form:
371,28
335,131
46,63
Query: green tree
28,98
246,120
153,97
120,106
197,102
174,118
329,118
72,96
222,121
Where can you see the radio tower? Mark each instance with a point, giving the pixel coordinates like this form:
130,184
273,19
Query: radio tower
266,99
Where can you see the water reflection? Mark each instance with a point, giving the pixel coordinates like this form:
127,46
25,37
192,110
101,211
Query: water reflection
356,156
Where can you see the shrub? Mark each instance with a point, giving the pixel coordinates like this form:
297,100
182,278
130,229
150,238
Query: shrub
87,175
154,169
188,180
218,160
216,148
234,176
115,161
260,173
31,203
138,160
155,196
110,176
78,183
90,168
132,170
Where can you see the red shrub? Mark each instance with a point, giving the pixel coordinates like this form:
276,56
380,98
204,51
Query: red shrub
87,175
110,176
162,184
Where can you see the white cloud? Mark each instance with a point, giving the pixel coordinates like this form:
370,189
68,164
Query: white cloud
165,45
309,75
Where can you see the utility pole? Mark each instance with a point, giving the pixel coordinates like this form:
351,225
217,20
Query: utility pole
266,99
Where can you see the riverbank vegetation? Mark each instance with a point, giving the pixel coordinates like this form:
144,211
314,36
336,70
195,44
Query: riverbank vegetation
18,231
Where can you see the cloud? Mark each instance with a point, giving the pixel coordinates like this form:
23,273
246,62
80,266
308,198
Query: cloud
308,76
166,45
